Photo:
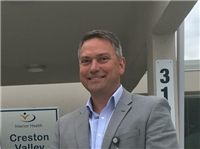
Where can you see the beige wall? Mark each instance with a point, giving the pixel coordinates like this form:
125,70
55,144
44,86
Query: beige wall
68,97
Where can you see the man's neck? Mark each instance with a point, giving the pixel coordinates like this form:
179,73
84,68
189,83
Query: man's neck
100,100
99,103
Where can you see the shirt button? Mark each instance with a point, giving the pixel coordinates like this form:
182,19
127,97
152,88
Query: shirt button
102,118
99,135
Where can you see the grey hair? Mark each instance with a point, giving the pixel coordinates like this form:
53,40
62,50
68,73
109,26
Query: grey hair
103,34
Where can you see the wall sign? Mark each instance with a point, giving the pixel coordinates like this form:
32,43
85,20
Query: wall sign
165,83
27,128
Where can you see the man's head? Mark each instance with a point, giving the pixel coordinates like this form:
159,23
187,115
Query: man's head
101,62
103,34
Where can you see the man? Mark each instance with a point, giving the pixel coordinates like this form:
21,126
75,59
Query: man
112,117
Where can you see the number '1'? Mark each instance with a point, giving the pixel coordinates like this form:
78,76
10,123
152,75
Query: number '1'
165,91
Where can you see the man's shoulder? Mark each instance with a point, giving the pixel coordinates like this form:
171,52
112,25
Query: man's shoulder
150,98
72,115
149,101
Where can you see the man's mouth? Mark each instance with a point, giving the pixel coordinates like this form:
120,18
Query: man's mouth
94,78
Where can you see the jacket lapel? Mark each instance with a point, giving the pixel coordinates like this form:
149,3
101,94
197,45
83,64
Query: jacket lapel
82,129
123,106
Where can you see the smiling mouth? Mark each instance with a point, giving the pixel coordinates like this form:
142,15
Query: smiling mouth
94,78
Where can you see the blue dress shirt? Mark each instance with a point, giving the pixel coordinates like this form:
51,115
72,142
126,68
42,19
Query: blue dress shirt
99,123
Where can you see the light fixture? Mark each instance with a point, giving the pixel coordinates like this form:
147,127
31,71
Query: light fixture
35,67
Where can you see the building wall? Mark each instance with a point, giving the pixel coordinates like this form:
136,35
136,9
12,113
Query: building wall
71,96
192,82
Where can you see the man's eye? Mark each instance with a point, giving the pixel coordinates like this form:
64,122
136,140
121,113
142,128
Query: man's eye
85,61
103,59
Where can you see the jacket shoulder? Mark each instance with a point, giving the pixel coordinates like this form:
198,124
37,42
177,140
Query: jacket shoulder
71,116
150,101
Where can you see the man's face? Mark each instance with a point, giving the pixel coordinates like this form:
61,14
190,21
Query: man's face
100,69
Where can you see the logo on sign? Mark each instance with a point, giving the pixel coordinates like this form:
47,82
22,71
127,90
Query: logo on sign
28,117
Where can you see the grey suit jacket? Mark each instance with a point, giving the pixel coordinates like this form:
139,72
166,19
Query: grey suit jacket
140,122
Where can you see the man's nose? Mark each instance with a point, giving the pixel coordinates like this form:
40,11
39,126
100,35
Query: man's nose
94,66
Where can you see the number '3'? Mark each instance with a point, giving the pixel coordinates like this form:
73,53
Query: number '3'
166,75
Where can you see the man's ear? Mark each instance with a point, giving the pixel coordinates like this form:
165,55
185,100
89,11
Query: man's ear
122,63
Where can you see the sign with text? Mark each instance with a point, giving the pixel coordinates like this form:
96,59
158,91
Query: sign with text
165,83
27,128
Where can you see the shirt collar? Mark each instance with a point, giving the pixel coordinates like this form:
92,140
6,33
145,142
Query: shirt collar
116,96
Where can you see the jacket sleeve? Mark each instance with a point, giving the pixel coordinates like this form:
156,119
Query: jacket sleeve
160,133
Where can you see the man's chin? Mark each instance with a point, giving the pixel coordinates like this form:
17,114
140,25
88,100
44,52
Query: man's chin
94,90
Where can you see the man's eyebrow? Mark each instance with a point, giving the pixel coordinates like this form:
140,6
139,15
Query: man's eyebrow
84,57
99,55
103,54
